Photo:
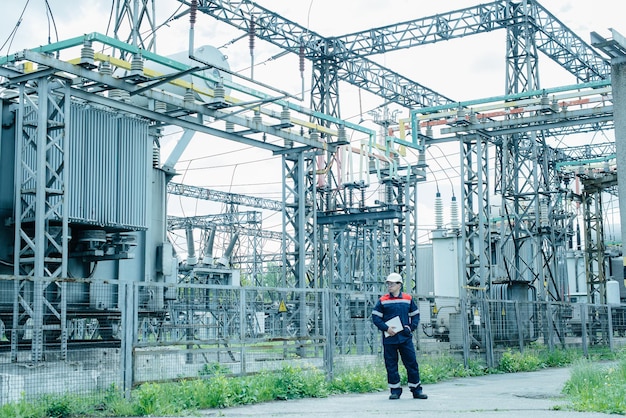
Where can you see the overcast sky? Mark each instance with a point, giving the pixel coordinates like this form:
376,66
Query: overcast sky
463,69
326,17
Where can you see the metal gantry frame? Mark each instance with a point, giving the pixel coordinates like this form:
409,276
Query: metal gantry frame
476,211
299,250
595,248
332,62
249,258
523,171
524,175
533,252
524,167
532,224
41,224
135,24
42,236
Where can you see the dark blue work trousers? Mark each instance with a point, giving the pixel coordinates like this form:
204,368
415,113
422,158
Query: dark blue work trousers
407,354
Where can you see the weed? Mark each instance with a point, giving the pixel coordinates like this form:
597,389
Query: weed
590,388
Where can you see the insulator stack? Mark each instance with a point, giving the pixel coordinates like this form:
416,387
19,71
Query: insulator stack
330,202
555,105
251,34
301,57
160,107
188,98
193,13
123,96
421,159
285,116
389,193
191,247
543,214
87,54
400,196
136,64
454,213
251,45
342,137
225,258
156,156
105,68
219,92
438,211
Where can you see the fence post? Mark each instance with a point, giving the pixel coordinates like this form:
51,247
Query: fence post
128,309
329,332
242,327
583,328
488,334
466,333
550,325
520,324
609,314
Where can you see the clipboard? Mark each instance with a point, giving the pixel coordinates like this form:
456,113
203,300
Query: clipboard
395,324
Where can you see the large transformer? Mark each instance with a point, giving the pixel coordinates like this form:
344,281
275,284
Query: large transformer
112,200
84,251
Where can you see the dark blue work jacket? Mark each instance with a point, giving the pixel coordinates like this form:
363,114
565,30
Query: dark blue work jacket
402,306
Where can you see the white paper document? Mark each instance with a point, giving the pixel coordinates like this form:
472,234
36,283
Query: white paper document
395,324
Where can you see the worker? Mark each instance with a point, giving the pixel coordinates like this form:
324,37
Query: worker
396,314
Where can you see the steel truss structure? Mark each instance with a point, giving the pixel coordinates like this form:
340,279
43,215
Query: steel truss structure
41,224
41,229
534,232
331,237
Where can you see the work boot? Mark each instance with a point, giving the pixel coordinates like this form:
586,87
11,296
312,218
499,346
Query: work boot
395,394
418,394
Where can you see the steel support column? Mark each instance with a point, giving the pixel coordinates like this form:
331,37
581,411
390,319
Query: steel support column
141,18
476,213
594,245
41,219
299,225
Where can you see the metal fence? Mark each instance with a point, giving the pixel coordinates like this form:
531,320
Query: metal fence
99,336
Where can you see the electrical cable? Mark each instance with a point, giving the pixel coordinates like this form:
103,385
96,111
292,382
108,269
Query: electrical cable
227,152
110,19
170,19
232,41
272,58
11,36
149,32
54,24
230,152
445,156
228,165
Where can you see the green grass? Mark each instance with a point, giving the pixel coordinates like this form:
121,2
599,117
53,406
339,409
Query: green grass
590,388
594,388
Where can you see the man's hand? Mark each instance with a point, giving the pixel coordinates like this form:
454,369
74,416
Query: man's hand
391,332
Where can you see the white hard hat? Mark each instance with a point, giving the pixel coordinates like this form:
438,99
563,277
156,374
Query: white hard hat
394,277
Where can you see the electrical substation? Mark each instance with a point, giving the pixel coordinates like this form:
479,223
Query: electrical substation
102,283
